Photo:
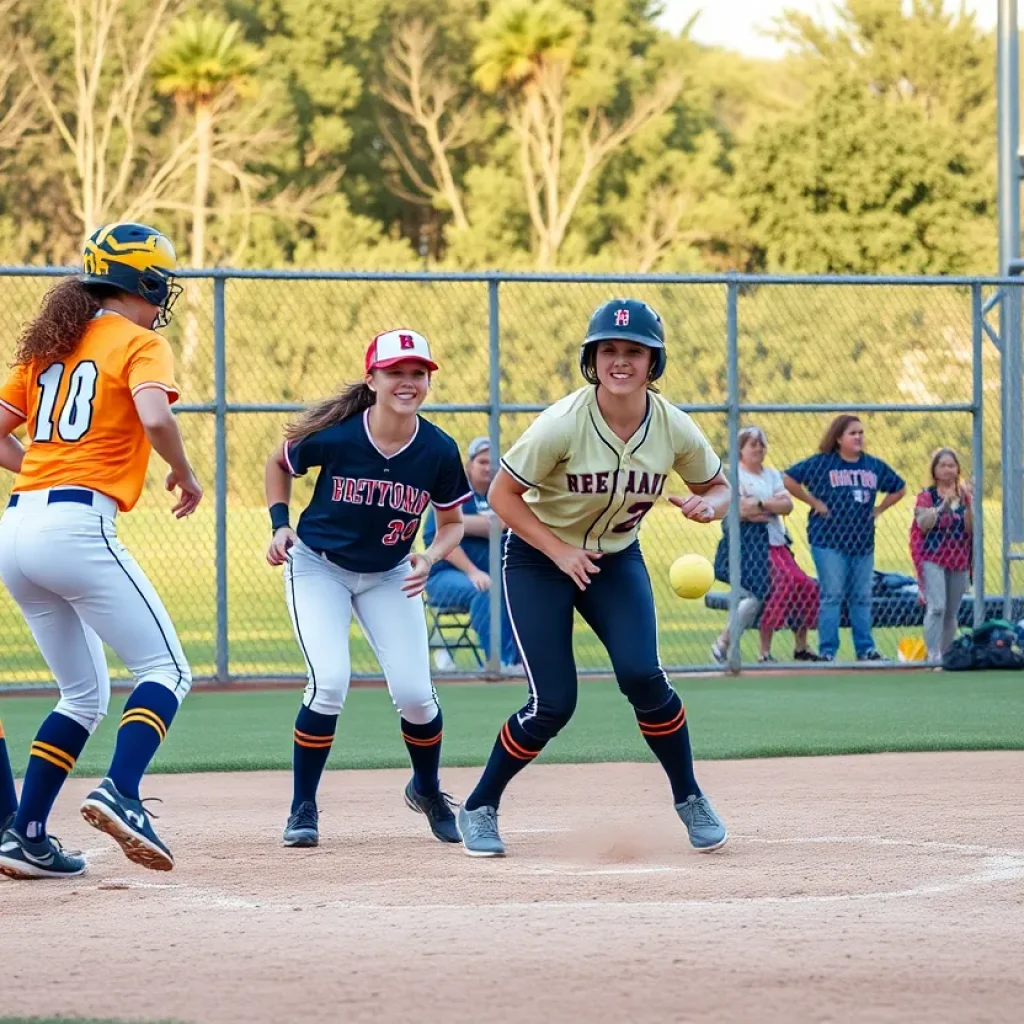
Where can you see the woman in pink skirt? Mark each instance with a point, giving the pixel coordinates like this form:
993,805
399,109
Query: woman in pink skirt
792,600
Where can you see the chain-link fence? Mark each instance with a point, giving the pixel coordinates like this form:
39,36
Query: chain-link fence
816,558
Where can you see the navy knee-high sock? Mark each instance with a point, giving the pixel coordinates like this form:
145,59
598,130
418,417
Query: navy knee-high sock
513,750
8,796
148,714
668,736
314,734
53,754
424,745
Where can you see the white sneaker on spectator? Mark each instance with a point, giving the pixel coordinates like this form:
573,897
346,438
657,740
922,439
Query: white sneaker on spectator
443,661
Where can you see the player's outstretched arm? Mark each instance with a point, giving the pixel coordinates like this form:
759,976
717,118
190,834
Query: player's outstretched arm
277,484
11,450
708,502
161,428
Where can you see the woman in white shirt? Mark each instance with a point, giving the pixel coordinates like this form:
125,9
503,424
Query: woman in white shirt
792,595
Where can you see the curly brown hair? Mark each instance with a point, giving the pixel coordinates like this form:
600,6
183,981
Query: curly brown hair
57,328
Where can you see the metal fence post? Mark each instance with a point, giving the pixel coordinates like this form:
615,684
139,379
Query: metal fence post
978,453
733,427
494,431
220,478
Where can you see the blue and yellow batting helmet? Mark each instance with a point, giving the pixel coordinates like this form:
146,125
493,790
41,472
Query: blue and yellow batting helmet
134,258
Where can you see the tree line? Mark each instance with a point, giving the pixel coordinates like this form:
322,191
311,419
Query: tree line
518,134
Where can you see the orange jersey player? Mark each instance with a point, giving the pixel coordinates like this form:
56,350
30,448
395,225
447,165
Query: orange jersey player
93,384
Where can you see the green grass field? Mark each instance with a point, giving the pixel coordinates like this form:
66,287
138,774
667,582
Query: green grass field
179,558
730,718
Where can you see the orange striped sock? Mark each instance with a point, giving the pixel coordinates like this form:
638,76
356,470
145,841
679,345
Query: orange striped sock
513,750
313,737
424,745
668,736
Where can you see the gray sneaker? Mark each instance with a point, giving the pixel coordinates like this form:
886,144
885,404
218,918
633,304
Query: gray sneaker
707,832
479,829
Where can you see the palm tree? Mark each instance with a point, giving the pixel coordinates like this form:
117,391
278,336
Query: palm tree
519,38
204,64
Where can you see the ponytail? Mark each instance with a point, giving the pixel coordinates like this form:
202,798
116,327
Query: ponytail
353,400
67,309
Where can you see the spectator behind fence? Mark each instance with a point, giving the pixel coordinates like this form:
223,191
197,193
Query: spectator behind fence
940,544
461,580
840,483
769,573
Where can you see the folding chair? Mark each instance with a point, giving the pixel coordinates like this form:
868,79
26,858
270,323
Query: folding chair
450,630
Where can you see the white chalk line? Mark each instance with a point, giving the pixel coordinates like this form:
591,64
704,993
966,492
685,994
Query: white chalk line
997,866
934,844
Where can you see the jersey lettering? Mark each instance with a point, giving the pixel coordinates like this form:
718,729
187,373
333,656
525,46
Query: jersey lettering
859,478
638,482
365,491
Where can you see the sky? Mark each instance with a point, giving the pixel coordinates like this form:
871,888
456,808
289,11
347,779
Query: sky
734,23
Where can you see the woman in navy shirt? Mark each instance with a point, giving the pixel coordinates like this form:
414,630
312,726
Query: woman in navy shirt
840,484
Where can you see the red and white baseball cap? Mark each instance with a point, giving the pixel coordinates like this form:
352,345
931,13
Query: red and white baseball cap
396,346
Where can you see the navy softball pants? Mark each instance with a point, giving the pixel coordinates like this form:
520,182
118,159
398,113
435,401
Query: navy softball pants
618,605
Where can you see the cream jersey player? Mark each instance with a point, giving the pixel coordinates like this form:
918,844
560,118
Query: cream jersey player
591,488
574,490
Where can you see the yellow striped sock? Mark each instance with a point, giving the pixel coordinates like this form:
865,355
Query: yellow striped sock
145,717
56,756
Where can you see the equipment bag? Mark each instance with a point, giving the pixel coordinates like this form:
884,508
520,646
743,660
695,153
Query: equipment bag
995,644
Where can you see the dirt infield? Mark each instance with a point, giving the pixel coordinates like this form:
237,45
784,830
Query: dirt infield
884,888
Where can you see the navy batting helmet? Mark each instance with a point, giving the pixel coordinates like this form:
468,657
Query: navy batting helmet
134,258
624,320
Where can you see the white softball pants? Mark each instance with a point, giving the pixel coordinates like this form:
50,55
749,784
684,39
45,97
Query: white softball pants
78,586
322,598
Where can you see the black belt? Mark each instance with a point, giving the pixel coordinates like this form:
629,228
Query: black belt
79,497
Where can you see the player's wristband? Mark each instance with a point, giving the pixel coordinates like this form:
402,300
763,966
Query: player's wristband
279,516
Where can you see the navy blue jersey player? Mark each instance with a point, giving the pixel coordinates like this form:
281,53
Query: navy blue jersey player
574,490
380,465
